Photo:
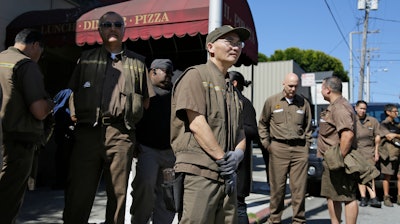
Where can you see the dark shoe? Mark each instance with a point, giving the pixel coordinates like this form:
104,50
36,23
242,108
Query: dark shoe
363,202
386,201
374,202
398,199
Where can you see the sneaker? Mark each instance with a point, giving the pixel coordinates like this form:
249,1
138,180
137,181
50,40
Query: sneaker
386,201
374,202
363,202
398,199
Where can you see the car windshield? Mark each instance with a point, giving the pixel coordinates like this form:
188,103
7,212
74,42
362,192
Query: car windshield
376,110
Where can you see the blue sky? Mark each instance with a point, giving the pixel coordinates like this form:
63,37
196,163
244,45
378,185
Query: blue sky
324,25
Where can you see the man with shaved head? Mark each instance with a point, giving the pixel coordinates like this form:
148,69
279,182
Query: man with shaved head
285,131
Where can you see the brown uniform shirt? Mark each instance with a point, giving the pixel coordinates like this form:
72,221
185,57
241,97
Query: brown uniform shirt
367,130
114,84
284,121
191,94
339,116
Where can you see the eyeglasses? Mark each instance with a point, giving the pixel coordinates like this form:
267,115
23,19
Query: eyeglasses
110,24
230,42
394,111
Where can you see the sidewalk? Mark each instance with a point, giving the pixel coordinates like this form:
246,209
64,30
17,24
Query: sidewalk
45,205
258,200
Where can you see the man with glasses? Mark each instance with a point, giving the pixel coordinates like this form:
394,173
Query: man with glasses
390,164
206,133
285,131
110,89
25,105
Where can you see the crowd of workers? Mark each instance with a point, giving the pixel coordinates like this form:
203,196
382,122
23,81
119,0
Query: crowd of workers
185,138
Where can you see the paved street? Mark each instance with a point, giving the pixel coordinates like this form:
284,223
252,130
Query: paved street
45,205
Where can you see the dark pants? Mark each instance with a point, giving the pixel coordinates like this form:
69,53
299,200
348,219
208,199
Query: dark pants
242,211
265,155
97,151
62,158
147,190
17,167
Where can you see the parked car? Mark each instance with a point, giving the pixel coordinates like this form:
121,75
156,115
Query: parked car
315,166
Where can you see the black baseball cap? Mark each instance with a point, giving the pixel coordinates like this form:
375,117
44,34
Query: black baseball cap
163,64
234,75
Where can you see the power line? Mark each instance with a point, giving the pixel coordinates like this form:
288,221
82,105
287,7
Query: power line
386,20
340,31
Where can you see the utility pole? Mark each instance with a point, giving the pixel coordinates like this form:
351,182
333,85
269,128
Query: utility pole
351,74
351,65
364,5
368,76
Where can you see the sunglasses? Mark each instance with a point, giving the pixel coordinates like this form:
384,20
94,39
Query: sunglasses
110,24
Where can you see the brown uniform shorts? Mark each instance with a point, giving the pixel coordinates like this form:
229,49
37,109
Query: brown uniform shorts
337,185
389,167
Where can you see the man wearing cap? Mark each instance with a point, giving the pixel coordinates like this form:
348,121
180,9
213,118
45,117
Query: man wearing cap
244,170
206,131
154,149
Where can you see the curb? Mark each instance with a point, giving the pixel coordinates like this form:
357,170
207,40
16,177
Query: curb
263,215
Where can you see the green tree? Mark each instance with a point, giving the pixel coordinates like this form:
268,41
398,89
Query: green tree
262,57
311,61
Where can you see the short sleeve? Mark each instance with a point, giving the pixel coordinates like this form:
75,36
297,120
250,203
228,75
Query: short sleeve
31,80
343,118
190,93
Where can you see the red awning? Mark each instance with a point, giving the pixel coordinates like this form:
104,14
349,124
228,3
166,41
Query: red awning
164,19
57,25
148,18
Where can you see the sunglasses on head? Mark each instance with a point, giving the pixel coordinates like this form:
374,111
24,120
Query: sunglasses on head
110,24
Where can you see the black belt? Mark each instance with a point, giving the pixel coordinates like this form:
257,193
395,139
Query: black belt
291,142
107,121
103,121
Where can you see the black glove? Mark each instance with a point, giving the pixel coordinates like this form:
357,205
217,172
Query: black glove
230,183
230,162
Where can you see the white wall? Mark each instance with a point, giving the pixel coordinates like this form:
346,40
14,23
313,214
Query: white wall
10,9
268,78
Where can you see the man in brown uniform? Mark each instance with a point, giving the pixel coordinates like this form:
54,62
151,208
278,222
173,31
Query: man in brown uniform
390,166
206,132
109,87
337,126
25,105
368,139
285,131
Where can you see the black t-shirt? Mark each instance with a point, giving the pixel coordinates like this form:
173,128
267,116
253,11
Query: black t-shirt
153,129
